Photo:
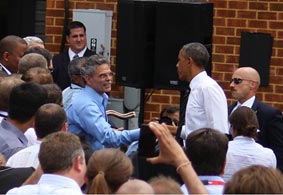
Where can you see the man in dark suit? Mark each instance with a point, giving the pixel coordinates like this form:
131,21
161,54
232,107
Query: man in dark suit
76,37
244,84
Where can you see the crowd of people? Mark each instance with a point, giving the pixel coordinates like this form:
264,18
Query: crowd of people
56,138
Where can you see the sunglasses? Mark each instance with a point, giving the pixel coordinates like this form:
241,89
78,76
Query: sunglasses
237,81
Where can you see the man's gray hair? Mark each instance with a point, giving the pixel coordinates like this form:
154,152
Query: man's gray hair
197,52
92,63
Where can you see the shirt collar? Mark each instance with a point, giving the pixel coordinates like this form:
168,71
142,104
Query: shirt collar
103,99
74,86
249,102
60,181
5,69
197,79
210,177
72,53
9,126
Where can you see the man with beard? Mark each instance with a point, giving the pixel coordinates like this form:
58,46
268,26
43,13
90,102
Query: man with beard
244,84
87,114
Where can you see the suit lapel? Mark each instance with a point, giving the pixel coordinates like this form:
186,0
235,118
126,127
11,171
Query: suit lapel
230,108
255,105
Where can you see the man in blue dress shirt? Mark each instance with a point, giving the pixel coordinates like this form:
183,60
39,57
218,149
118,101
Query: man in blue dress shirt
87,114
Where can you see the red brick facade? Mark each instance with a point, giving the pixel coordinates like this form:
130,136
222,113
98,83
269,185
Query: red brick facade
231,17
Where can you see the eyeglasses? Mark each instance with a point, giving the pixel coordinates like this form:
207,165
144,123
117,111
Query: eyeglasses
105,75
237,81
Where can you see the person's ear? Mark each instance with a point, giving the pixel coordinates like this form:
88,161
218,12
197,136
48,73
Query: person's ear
5,56
87,79
68,39
223,167
65,127
190,60
79,163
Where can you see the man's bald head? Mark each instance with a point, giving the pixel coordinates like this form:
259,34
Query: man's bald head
244,84
249,73
135,186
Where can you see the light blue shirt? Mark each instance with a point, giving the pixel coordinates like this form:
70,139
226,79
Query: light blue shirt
69,94
50,184
216,186
87,116
11,139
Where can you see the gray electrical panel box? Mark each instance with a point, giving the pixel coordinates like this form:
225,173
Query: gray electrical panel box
98,29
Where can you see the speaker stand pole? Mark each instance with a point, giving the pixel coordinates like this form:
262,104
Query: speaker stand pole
142,103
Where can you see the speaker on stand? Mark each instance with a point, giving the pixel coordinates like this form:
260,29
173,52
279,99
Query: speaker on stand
149,37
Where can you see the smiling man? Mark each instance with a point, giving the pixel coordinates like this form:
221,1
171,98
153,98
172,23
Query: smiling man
87,114
76,37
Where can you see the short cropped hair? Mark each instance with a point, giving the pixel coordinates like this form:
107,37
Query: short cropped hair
207,148
73,25
31,39
49,118
54,94
24,101
169,110
10,43
42,51
75,65
165,185
92,63
31,60
38,75
197,52
6,86
58,152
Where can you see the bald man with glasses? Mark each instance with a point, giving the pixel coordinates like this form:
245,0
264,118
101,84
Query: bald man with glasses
244,85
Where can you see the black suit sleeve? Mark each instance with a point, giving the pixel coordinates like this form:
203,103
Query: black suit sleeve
275,137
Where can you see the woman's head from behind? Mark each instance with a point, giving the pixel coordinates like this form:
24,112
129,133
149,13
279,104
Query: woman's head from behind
255,179
107,170
244,122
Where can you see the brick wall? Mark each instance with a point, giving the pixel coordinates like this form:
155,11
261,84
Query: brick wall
231,17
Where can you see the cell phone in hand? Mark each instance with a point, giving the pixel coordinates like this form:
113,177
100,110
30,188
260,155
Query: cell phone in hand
147,142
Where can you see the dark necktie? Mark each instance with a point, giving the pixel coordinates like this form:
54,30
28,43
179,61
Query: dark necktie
183,103
75,56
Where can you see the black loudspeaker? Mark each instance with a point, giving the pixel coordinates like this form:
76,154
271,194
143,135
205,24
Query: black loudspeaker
176,25
150,35
135,43
255,51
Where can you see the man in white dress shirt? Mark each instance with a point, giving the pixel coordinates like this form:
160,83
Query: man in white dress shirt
207,103
48,119
61,157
